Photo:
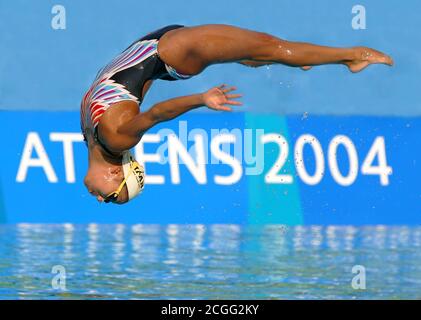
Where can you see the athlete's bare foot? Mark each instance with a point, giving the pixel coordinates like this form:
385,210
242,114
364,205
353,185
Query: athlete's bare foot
366,56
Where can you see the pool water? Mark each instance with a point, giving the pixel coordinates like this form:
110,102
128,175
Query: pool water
208,262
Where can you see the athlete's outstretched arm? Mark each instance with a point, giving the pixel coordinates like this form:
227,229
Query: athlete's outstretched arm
216,98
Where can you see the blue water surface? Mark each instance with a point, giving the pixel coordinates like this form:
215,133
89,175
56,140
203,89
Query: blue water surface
208,262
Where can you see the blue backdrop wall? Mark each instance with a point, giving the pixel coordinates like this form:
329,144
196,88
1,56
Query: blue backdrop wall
344,148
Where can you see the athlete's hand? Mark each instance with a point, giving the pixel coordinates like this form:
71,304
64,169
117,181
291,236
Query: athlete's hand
218,98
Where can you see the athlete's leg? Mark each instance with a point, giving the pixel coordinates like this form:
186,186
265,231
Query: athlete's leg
256,64
190,50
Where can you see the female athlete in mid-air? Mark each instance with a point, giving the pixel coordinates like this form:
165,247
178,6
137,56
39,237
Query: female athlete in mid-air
112,123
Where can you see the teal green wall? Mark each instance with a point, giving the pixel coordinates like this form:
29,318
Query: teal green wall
273,203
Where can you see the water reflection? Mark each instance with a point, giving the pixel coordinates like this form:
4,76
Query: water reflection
68,234
92,248
118,247
209,261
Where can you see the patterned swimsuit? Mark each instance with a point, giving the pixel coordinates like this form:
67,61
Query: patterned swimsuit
124,77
